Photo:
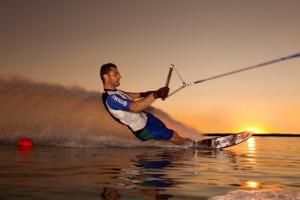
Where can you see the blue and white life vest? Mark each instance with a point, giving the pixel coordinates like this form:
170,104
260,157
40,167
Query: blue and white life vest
117,103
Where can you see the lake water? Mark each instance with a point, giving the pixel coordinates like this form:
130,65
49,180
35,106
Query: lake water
261,168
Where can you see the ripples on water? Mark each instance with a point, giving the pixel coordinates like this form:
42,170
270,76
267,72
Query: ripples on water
269,165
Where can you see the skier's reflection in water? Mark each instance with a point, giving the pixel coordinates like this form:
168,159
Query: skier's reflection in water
147,176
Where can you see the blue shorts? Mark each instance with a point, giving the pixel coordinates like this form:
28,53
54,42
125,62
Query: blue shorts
154,129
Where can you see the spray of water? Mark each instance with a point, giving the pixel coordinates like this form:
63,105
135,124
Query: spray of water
65,116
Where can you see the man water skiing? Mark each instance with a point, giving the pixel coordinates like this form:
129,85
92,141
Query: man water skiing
128,108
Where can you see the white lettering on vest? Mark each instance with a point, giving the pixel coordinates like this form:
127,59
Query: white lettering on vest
124,103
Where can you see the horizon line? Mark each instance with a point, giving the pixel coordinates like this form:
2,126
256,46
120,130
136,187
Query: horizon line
259,134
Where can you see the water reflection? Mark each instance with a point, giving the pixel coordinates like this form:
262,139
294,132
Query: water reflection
152,173
110,193
149,173
251,143
146,173
25,154
251,184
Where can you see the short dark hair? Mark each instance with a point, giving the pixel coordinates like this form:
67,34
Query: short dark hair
105,69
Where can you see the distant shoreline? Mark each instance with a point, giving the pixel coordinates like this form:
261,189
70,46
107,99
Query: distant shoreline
258,134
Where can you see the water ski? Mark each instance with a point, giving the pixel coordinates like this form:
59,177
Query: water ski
223,141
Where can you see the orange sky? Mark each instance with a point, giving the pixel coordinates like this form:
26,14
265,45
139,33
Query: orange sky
66,41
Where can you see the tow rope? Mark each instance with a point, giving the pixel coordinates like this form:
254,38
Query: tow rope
185,84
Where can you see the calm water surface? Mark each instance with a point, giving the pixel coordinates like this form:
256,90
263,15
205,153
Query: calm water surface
149,173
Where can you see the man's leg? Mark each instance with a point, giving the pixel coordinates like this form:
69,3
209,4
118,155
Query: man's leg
176,139
159,131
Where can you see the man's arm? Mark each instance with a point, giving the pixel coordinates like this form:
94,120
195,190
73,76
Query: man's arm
141,104
148,98
133,95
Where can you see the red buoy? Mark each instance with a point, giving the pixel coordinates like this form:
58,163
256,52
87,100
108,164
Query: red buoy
25,143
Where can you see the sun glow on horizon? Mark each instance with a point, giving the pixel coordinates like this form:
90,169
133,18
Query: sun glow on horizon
254,129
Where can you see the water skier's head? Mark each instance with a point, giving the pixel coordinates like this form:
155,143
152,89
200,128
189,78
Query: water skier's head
110,75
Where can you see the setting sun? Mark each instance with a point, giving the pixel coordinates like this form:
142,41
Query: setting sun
254,129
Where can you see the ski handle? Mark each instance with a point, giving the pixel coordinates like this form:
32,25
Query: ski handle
169,76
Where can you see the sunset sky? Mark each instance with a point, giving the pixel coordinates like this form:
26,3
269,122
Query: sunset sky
65,42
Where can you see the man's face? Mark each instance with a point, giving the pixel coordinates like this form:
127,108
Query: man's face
114,77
